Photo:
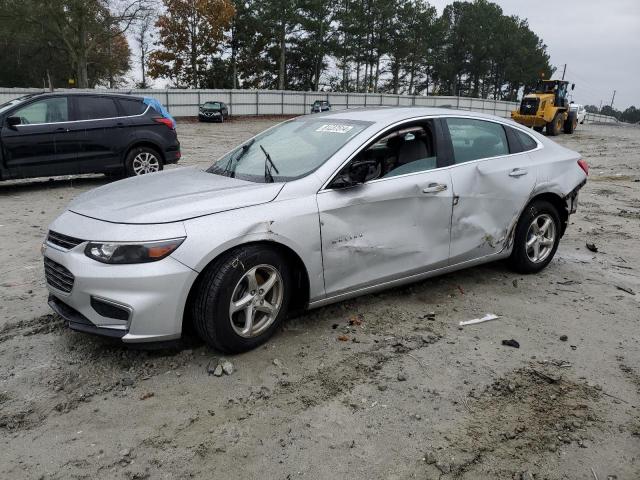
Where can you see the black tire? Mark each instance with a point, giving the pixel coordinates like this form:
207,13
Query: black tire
519,260
553,127
570,123
538,129
130,167
211,302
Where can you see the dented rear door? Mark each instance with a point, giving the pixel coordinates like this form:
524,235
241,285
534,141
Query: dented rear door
385,229
489,193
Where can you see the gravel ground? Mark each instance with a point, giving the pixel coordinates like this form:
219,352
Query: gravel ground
383,386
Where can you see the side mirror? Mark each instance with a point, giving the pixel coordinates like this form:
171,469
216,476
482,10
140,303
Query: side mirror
573,85
355,174
13,121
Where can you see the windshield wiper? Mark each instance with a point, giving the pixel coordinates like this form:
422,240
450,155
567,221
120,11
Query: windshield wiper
233,159
268,165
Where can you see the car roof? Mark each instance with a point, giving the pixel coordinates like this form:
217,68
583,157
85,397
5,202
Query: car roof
389,115
81,94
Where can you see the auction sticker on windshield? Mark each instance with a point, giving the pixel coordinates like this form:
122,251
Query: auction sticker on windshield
334,128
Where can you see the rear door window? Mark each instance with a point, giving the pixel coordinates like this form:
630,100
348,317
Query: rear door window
48,110
474,139
133,106
93,108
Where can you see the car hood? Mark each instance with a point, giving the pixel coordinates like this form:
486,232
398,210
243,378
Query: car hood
171,196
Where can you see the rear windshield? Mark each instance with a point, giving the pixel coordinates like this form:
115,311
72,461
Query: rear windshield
296,148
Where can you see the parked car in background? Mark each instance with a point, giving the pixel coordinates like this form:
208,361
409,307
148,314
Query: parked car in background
213,112
581,113
320,106
315,210
53,134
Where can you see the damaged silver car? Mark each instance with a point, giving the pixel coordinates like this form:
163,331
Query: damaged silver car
312,211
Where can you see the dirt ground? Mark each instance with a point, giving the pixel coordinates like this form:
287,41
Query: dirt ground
407,395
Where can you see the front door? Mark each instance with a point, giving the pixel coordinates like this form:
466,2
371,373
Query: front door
394,225
490,185
30,148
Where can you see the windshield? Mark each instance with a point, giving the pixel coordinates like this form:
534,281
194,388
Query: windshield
288,151
212,104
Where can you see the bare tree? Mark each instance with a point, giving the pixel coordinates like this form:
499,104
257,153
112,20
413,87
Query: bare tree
143,36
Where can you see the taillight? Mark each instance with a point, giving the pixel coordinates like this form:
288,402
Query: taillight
165,121
584,165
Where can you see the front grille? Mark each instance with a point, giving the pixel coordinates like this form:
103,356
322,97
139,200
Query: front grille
529,106
58,276
63,241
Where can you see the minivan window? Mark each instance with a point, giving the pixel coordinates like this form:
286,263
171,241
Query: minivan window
91,108
47,110
475,139
132,106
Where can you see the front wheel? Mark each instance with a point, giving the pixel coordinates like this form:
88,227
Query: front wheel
142,160
242,298
536,237
554,126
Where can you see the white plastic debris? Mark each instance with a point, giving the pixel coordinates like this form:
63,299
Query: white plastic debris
487,318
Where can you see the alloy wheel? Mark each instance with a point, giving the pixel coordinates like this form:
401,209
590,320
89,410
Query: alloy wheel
145,162
256,301
541,237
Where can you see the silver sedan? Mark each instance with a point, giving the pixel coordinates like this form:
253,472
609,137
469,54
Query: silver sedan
312,211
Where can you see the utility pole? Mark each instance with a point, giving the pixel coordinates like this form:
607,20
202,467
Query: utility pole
612,98
564,71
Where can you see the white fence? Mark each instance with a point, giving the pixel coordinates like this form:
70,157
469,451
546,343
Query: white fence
184,103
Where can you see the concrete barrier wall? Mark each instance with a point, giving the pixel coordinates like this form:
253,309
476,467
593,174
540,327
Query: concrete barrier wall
184,103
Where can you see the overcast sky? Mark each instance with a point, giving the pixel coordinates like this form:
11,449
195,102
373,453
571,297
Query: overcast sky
598,40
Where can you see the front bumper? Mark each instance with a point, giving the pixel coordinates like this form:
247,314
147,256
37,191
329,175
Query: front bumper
152,295
210,116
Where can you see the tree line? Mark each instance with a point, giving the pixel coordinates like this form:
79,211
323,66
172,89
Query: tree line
389,46
629,115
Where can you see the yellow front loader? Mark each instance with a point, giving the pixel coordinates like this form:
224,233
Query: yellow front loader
547,107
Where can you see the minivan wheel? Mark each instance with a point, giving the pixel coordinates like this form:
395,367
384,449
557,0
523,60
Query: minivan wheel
142,160
536,237
241,298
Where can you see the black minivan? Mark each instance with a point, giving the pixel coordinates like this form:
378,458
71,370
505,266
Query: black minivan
52,134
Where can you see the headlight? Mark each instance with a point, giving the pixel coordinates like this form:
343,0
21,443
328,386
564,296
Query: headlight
131,252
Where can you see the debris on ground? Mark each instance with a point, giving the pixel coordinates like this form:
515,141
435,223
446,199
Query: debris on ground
511,343
488,317
427,316
343,338
277,362
147,395
227,367
591,247
563,338
625,289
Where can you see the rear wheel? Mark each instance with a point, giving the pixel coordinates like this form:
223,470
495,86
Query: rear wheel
538,129
142,160
536,237
242,298
554,127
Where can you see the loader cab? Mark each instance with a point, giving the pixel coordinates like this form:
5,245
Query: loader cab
559,88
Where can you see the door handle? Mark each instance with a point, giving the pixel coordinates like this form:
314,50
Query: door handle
518,172
61,129
434,188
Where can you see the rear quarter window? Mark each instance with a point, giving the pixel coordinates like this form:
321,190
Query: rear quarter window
131,106
526,141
